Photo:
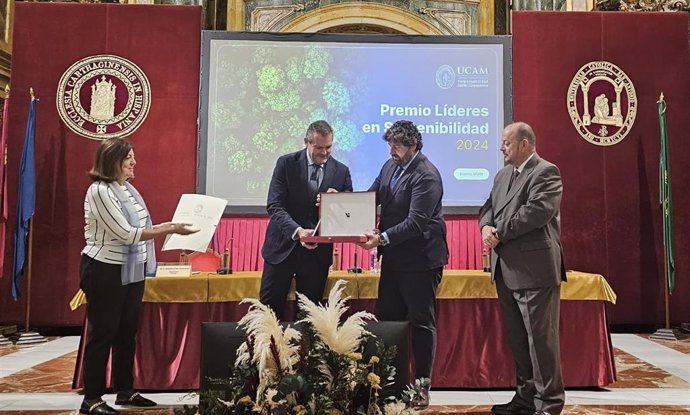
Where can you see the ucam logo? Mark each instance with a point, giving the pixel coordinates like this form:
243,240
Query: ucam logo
472,70
462,76
445,77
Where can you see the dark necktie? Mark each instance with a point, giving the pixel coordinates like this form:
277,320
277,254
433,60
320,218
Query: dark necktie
396,175
314,179
513,177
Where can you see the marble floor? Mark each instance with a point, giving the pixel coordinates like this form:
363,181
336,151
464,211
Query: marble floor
653,378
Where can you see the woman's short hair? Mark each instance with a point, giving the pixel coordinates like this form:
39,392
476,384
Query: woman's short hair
109,157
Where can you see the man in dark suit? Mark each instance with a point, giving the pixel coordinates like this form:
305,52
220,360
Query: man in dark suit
297,179
412,243
521,222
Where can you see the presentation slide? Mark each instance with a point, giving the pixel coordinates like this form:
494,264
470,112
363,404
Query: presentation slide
261,91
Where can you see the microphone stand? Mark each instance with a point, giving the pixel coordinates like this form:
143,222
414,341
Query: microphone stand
355,269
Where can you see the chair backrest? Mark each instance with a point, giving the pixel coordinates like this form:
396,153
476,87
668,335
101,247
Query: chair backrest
207,261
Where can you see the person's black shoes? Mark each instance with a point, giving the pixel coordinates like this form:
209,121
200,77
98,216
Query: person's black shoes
133,399
96,407
511,408
420,399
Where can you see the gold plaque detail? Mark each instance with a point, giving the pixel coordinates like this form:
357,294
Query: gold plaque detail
103,96
602,103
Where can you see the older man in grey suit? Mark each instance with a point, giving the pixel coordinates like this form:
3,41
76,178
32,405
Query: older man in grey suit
521,222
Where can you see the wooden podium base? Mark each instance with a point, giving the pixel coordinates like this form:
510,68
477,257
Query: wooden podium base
668,334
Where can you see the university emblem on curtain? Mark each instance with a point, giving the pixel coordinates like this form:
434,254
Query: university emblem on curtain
103,96
602,103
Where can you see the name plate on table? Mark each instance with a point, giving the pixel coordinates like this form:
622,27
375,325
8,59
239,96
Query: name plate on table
174,270
345,217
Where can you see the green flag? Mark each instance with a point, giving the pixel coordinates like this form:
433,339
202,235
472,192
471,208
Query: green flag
665,197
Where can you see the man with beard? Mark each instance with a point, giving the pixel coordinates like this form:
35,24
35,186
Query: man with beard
411,240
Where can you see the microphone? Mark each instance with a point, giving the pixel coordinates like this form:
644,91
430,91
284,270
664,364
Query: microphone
225,265
355,269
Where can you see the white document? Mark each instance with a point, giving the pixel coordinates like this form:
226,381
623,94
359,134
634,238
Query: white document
200,212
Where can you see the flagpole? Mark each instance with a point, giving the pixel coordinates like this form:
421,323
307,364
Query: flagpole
27,315
4,330
667,308
29,338
28,277
666,333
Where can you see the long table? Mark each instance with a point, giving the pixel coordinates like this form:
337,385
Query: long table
472,350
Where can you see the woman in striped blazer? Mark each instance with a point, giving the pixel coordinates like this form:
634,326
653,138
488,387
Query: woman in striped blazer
119,251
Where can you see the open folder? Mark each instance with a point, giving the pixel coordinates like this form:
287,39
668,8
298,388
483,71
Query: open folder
201,212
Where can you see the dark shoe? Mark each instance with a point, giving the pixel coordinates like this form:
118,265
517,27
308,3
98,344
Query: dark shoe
511,408
420,400
96,407
541,413
133,399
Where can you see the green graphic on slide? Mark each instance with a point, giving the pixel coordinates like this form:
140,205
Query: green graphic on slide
262,106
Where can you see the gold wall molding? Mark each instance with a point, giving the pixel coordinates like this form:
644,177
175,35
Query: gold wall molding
456,22
373,14
446,21
655,5
643,5
235,18
6,25
266,19
579,5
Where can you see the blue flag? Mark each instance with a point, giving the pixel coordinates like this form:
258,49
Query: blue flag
26,200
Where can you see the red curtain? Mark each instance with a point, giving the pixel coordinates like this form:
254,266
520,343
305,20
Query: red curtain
244,236
610,214
48,38
472,350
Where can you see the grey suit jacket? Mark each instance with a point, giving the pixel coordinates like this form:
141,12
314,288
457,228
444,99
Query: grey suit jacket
527,221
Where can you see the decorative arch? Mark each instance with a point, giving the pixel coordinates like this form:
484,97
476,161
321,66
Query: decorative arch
370,14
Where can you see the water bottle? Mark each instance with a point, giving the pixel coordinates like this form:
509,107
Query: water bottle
486,259
336,259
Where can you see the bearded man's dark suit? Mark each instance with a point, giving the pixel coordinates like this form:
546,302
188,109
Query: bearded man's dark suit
292,204
527,266
413,261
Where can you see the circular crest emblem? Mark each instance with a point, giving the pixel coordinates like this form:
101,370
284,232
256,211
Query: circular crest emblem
103,96
602,103
445,77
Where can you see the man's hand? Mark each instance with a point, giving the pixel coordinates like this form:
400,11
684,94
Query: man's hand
489,237
373,240
318,196
301,233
